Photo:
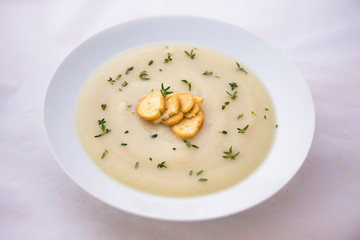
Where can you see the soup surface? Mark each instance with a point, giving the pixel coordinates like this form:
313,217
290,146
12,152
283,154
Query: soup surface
236,135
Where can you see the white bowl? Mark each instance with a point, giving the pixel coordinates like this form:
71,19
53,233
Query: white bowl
287,88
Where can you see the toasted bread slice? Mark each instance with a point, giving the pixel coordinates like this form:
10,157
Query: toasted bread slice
174,119
151,106
193,111
198,99
187,102
189,127
172,107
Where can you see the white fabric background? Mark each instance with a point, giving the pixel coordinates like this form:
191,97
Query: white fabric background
39,201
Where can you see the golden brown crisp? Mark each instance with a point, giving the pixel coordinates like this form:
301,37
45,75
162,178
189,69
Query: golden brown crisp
193,111
151,106
174,119
198,99
172,107
187,102
189,127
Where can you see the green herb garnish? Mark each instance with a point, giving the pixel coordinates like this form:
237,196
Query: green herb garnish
207,73
144,75
168,59
224,132
202,180
104,154
225,104
187,83
233,85
232,96
240,116
253,113
120,89
188,144
154,136
136,165
164,91
123,144
150,62
265,117
129,69
118,77
126,132
103,128
103,106
266,109
242,130
124,84
241,68
199,172
112,81
128,107
162,165
229,154
190,54
276,126
191,172
174,149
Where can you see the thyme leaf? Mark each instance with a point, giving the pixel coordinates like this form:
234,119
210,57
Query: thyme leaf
165,91
241,68
229,154
103,128
104,154
162,165
242,130
187,83
190,54
129,69
188,144
144,75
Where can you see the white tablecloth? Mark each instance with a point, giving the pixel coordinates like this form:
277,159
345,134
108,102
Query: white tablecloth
39,201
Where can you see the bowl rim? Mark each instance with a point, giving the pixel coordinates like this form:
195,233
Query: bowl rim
210,209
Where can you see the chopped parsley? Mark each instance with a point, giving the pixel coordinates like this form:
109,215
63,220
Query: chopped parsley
150,62
154,136
136,165
103,106
123,144
199,172
224,132
240,116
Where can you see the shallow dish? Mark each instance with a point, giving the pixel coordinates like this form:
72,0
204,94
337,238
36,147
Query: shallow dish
290,95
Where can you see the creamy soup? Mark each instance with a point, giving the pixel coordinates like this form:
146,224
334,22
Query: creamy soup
236,135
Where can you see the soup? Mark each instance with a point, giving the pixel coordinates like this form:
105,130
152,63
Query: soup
234,139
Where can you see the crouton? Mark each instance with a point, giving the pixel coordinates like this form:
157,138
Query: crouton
189,127
174,119
198,99
187,102
172,107
151,106
193,111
